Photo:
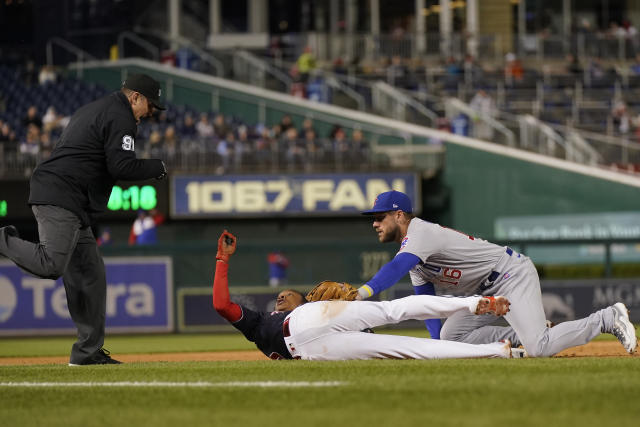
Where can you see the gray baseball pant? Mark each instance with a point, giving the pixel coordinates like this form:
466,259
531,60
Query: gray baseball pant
66,249
526,317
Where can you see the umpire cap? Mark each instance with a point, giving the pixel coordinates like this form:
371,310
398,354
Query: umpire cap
147,86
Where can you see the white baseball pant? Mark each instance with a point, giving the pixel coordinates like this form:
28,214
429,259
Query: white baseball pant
330,330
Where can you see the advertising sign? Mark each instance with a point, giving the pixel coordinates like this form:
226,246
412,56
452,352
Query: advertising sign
139,298
276,195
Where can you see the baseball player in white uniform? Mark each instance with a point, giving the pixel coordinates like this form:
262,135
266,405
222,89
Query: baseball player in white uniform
332,330
447,259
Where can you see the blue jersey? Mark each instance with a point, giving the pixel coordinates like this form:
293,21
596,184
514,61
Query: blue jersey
265,330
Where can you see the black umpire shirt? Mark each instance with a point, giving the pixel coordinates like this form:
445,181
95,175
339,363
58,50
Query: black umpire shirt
95,150
265,330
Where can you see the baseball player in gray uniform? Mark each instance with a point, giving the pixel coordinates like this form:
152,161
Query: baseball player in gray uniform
445,258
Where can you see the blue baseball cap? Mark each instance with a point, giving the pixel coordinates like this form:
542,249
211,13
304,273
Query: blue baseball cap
390,201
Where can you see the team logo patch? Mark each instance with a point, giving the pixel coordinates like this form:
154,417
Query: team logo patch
404,242
128,144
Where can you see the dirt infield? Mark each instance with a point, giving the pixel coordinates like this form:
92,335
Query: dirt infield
593,349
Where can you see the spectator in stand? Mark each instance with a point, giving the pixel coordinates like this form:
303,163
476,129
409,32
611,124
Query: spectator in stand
32,118
154,148
484,107
307,124
170,137
225,151
172,152
452,67
313,149
635,66
243,147
204,128
220,126
188,130
53,121
596,70
338,66
171,140
453,71
360,147
265,147
144,228
30,146
442,124
46,146
306,64
333,131
513,70
472,70
341,148
295,149
398,72
621,118
278,264
29,75
47,75
276,132
104,238
8,138
631,34
163,119
286,123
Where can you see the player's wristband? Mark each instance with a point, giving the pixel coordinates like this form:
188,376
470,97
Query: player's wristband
365,291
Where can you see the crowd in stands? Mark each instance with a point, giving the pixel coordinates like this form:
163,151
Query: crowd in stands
585,92
183,137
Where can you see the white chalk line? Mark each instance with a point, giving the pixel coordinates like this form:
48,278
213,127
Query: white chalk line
258,384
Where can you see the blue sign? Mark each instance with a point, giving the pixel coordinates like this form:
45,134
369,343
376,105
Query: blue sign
139,299
277,195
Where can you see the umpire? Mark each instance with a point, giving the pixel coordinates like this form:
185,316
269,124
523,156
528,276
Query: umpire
67,190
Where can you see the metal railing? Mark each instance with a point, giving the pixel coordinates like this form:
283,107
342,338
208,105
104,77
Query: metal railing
391,102
140,42
480,125
570,141
81,55
338,85
248,68
488,47
182,42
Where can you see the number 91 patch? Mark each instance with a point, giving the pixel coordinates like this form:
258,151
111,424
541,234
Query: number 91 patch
128,143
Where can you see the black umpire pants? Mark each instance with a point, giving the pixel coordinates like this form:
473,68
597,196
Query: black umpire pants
67,249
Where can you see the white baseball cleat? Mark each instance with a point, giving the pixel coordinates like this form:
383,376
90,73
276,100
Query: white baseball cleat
498,306
623,329
519,353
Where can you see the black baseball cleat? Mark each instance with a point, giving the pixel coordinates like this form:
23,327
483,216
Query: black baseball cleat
10,230
101,357
7,231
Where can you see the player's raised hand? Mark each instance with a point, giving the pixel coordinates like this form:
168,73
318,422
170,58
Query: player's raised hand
226,246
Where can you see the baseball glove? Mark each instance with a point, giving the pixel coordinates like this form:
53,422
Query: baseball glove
329,290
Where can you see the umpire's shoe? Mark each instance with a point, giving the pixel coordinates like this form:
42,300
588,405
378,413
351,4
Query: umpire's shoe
623,329
101,357
5,232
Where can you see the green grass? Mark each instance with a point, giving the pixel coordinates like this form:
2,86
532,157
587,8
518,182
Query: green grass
171,343
486,392
528,392
120,344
